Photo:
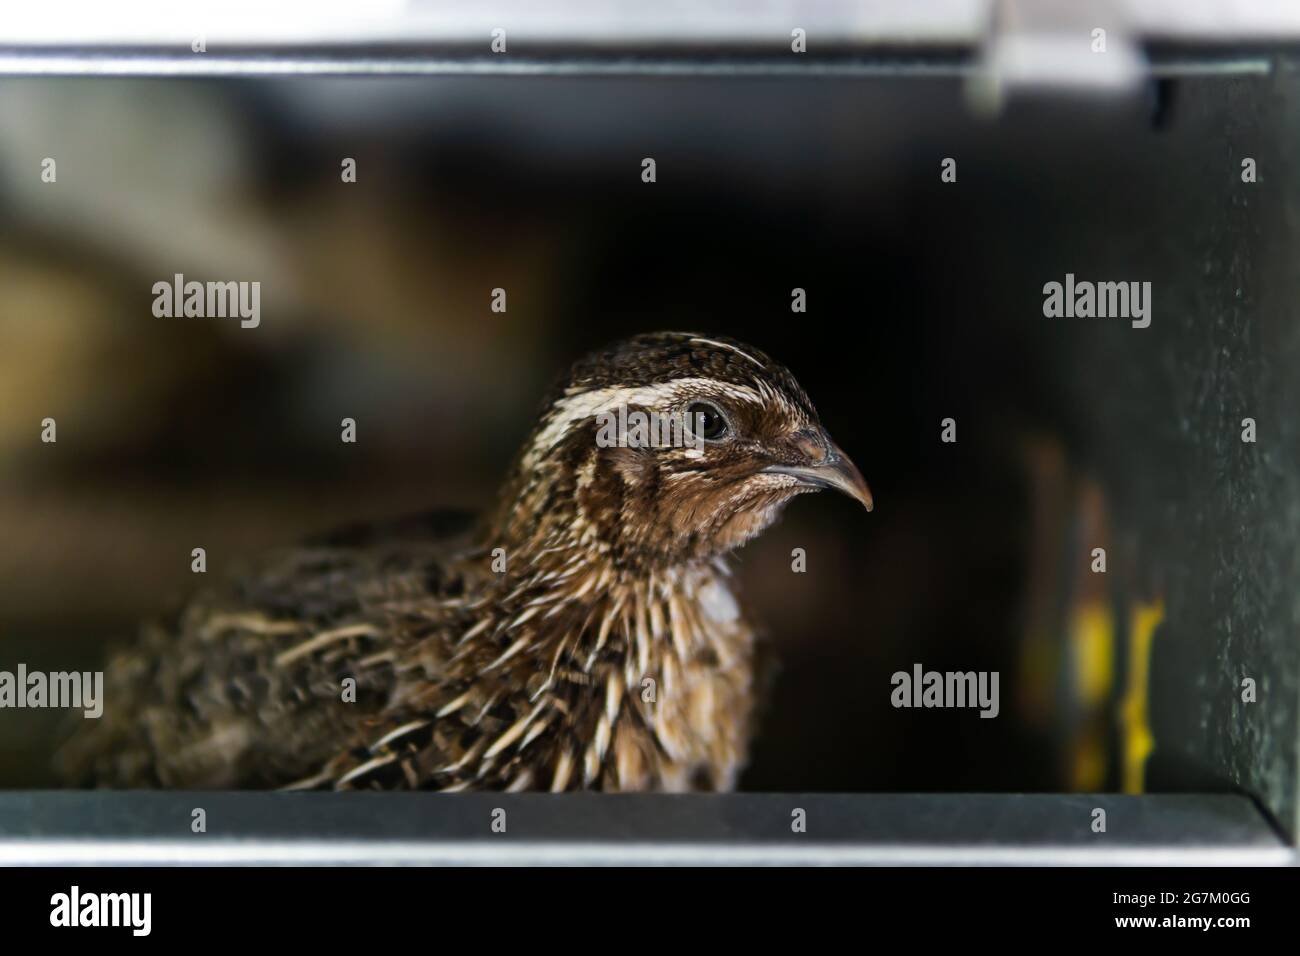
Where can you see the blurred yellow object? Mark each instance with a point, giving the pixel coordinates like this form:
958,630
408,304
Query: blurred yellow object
1091,631
1092,638
1134,721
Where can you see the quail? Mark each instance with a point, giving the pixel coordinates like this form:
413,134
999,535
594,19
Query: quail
584,633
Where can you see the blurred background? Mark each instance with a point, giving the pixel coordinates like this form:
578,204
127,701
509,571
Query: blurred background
924,302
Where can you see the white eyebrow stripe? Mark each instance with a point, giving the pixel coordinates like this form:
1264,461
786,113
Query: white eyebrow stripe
729,348
568,411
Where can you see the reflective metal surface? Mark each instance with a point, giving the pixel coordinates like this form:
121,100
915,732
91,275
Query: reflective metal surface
388,828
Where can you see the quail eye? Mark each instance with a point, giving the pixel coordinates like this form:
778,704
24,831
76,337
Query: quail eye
712,424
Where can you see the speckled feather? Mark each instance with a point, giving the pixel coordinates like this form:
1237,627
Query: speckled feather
610,654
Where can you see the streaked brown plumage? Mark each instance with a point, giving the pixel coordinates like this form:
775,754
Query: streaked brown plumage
610,653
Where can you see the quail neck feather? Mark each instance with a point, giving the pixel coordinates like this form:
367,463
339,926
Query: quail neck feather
583,634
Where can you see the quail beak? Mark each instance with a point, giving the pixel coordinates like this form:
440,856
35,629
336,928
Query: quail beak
836,471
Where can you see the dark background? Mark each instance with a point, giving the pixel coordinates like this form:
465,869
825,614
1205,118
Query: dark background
924,302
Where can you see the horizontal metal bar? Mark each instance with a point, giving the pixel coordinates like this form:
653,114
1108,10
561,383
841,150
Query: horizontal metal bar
485,853
570,37
893,829
27,62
